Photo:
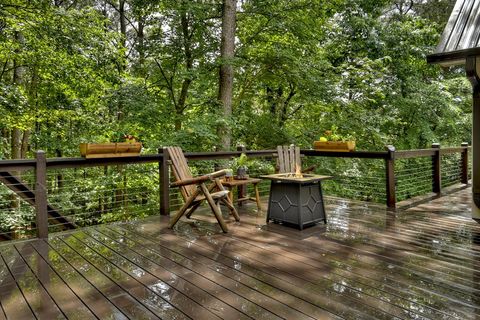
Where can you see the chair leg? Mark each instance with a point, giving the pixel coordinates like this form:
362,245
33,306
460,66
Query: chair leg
214,207
232,209
192,209
229,200
257,197
183,209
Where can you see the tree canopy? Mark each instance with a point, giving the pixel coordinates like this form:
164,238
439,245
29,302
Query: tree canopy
76,71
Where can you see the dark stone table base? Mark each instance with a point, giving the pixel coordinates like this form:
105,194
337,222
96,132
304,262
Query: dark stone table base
298,204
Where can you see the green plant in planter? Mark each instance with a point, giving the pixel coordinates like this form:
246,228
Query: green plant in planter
242,168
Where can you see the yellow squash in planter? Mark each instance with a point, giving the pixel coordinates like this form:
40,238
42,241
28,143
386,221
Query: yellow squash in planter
109,150
339,146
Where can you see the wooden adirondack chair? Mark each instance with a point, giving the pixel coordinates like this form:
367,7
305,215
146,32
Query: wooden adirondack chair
289,160
194,189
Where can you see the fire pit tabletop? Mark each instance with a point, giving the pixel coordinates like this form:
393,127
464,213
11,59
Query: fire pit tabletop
291,178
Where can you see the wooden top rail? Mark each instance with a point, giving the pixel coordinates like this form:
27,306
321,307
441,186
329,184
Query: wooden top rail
352,154
228,154
64,163
454,150
17,165
406,154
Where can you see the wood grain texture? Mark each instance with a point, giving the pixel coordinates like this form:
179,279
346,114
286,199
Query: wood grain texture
367,263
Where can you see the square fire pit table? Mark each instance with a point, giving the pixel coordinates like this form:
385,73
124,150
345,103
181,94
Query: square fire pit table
296,201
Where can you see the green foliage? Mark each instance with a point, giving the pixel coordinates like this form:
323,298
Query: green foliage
300,67
70,74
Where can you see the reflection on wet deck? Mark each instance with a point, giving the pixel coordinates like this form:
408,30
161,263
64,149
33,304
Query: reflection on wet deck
368,262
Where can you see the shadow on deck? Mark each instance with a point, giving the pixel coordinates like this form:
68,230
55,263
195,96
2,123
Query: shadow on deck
368,262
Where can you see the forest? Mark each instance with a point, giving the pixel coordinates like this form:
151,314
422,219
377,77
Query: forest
211,75
194,74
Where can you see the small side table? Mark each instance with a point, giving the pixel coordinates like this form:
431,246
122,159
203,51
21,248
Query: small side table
241,197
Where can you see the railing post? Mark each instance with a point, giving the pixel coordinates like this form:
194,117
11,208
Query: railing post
464,164
437,169
242,190
390,175
164,183
41,194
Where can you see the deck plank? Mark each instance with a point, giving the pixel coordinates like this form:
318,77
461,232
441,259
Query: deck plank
2,313
336,248
435,298
188,306
98,303
387,262
420,251
200,296
38,299
418,232
13,300
66,300
262,300
153,295
305,301
189,267
367,263
125,302
282,268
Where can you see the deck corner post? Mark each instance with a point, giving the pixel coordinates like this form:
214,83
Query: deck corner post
390,177
41,209
164,183
437,169
464,163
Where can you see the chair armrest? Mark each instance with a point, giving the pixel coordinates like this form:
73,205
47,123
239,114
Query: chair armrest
200,179
191,181
218,174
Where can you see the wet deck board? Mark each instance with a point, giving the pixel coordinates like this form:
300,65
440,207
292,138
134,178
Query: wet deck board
298,273
207,293
124,300
367,263
12,299
90,296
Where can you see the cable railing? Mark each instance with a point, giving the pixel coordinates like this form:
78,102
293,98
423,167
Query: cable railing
17,215
451,169
419,172
94,195
414,177
39,196
353,178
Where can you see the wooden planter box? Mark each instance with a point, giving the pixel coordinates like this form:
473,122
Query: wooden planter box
339,146
108,150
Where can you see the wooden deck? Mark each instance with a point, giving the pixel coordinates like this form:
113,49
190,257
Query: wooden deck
367,263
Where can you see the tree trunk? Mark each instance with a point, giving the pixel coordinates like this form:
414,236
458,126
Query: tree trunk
187,81
227,52
16,144
141,45
16,137
18,79
25,143
123,22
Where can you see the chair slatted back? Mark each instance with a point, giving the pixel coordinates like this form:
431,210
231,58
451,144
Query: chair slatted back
289,159
180,169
